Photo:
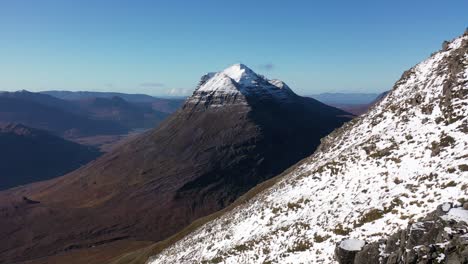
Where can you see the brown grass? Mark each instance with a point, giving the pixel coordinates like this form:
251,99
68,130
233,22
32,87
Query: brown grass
140,256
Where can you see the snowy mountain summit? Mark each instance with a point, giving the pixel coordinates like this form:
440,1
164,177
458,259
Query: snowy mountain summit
367,180
235,85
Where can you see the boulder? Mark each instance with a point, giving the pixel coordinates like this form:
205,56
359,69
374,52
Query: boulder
465,206
347,249
369,254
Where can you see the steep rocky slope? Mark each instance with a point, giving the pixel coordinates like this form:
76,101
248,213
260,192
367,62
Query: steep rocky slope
236,130
440,237
370,178
28,155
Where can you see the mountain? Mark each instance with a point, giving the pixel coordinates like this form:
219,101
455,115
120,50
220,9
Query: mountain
116,109
367,180
29,155
158,104
379,98
355,109
52,117
87,118
42,99
236,130
70,95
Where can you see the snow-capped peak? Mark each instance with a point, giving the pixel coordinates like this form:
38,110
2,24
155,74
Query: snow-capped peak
241,74
234,84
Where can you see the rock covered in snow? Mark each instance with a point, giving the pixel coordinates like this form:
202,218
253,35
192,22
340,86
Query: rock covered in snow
434,239
235,85
347,249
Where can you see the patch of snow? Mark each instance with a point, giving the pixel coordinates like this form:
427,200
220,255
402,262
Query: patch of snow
241,74
440,258
446,207
458,214
352,244
417,226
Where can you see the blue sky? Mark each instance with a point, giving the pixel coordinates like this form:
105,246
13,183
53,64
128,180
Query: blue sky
161,47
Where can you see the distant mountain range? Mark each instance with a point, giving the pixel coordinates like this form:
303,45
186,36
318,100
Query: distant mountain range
62,119
29,155
345,98
166,105
237,130
70,95
355,103
84,116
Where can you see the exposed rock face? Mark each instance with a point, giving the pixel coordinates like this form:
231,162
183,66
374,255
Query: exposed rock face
441,237
237,130
346,250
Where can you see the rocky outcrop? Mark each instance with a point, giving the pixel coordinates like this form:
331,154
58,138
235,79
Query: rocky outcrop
346,250
441,237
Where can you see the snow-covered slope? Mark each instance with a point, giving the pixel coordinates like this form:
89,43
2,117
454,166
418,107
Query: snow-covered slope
234,84
368,179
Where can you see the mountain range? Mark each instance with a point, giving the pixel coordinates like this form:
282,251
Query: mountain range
237,130
355,103
166,105
242,171
50,122
84,117
345,98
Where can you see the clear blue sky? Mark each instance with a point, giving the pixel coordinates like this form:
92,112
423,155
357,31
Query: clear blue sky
157,46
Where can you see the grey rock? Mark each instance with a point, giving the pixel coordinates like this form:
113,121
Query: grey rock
465,206
344,255
434,239
369,254
445,45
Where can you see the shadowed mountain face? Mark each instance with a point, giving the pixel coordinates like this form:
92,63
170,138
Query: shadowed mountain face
237,130
29,155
